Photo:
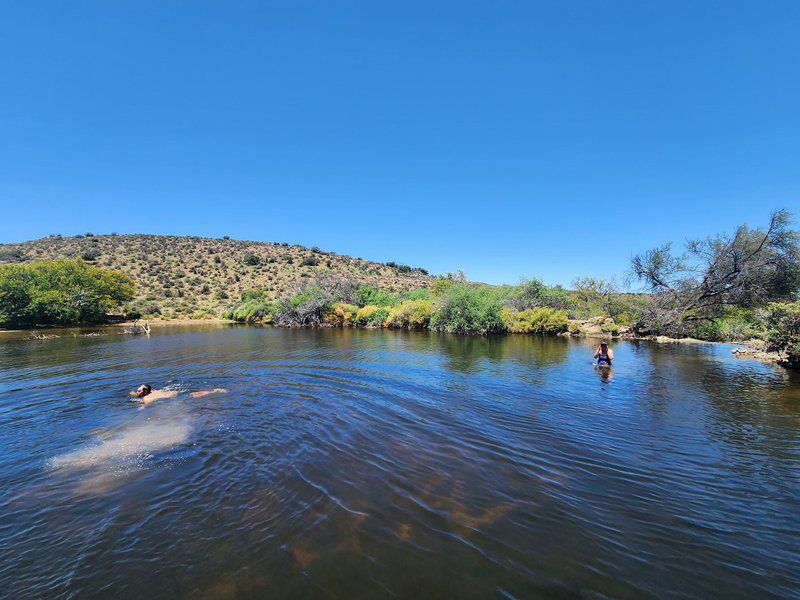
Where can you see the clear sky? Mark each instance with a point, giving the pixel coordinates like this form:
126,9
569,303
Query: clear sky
548,139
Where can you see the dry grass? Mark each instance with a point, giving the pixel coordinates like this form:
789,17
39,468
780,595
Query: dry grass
199,277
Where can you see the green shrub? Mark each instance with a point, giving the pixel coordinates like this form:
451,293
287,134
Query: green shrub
90,254
420,293
740,324
251,259
703,330
369,294
371,316
253,310
411,314
253,295
574,328
535,320
783,331
60,292
610,327
308,308
440,286
469,309
532,293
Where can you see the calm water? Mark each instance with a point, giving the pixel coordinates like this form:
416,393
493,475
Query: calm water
370,464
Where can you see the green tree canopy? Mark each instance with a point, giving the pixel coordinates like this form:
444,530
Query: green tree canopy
59,292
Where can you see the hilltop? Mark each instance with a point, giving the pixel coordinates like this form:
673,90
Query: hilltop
186,276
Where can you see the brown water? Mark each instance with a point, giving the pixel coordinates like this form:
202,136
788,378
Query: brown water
364,464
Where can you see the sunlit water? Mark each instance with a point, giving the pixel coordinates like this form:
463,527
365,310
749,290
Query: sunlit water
370,464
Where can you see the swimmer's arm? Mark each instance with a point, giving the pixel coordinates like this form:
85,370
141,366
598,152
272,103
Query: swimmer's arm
157,395
202,393
610,354
597,352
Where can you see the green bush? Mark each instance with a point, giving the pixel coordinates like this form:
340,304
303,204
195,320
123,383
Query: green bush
420,293
783,331
60,292
610,327
574,328
535,320
308,308
411,314
440,286
90,254
371,315
253,310
703,330
532,293
740,324
368,294
253,295
469,309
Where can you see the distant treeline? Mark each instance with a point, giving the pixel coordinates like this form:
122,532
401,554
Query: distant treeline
450,304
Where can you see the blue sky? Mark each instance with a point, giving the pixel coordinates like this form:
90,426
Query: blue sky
548,139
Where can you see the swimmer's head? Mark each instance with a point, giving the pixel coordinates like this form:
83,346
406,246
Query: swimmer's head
604,344
143,390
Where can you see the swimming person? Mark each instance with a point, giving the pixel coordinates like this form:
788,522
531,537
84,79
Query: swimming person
148,395
604,354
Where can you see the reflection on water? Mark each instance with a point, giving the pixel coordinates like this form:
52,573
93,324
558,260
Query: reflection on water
362,464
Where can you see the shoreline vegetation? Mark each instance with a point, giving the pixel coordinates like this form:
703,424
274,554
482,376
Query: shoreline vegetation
740,287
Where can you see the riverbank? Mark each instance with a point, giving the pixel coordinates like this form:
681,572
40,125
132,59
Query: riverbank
92,330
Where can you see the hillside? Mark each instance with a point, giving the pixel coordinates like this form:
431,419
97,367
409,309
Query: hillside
183,276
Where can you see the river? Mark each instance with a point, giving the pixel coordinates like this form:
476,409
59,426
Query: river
380,464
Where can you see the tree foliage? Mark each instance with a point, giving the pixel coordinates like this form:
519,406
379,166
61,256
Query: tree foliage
783,331
60,292
469,309
748,268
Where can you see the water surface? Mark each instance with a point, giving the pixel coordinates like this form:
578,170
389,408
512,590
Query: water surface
367,464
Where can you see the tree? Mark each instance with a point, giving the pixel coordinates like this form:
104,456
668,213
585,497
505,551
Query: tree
599,296
531,293
748,268
60,292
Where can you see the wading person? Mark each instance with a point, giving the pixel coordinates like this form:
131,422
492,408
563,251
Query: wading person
604,354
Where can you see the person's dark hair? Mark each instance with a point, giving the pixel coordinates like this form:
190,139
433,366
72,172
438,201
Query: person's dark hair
604,343
147,387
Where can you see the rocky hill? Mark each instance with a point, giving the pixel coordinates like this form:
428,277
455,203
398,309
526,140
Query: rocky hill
181,277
